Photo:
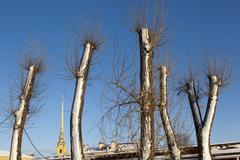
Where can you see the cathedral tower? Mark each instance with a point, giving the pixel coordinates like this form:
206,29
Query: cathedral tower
61,149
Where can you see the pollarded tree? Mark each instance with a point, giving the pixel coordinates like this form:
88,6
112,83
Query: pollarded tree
81,71
163,108
33,66
218,73
150,36
146,95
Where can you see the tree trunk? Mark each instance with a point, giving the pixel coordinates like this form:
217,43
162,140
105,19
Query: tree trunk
78,104
163,107
21,115
193,101
205,152
147,119
209,116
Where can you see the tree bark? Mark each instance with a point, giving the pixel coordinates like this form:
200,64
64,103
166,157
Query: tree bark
163,107
147,119
78,104
203,128
21,115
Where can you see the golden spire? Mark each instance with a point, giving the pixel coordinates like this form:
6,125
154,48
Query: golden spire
61,149
62,117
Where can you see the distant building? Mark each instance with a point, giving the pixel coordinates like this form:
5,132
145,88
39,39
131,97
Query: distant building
127,151
4,155
61,149
225,151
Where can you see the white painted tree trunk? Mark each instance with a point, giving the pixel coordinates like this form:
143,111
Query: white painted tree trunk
163,107
205,146
203,127
147,119
214,84
21,115
78,104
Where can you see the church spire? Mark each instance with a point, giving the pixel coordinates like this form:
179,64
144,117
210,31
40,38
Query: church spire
62,116
61,149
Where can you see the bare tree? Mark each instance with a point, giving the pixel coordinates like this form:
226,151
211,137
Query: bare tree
33,66
121,98
218,73
81,72
163,107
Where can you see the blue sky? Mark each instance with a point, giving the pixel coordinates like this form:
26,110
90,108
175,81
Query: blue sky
195,26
